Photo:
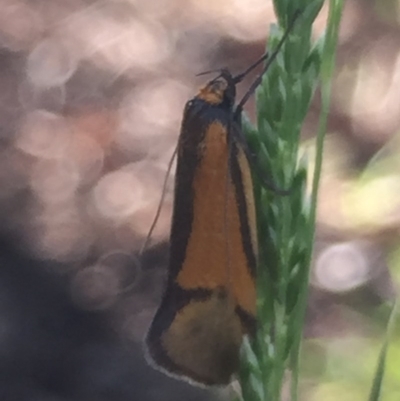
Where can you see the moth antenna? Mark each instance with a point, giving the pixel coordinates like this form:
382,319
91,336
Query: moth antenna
238,78
258,80
209,72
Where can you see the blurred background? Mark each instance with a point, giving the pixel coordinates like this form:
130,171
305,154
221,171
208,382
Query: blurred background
91,99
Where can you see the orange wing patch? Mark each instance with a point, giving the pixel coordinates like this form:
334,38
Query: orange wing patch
215,256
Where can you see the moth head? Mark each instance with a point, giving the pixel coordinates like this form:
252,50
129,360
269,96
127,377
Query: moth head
219,91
